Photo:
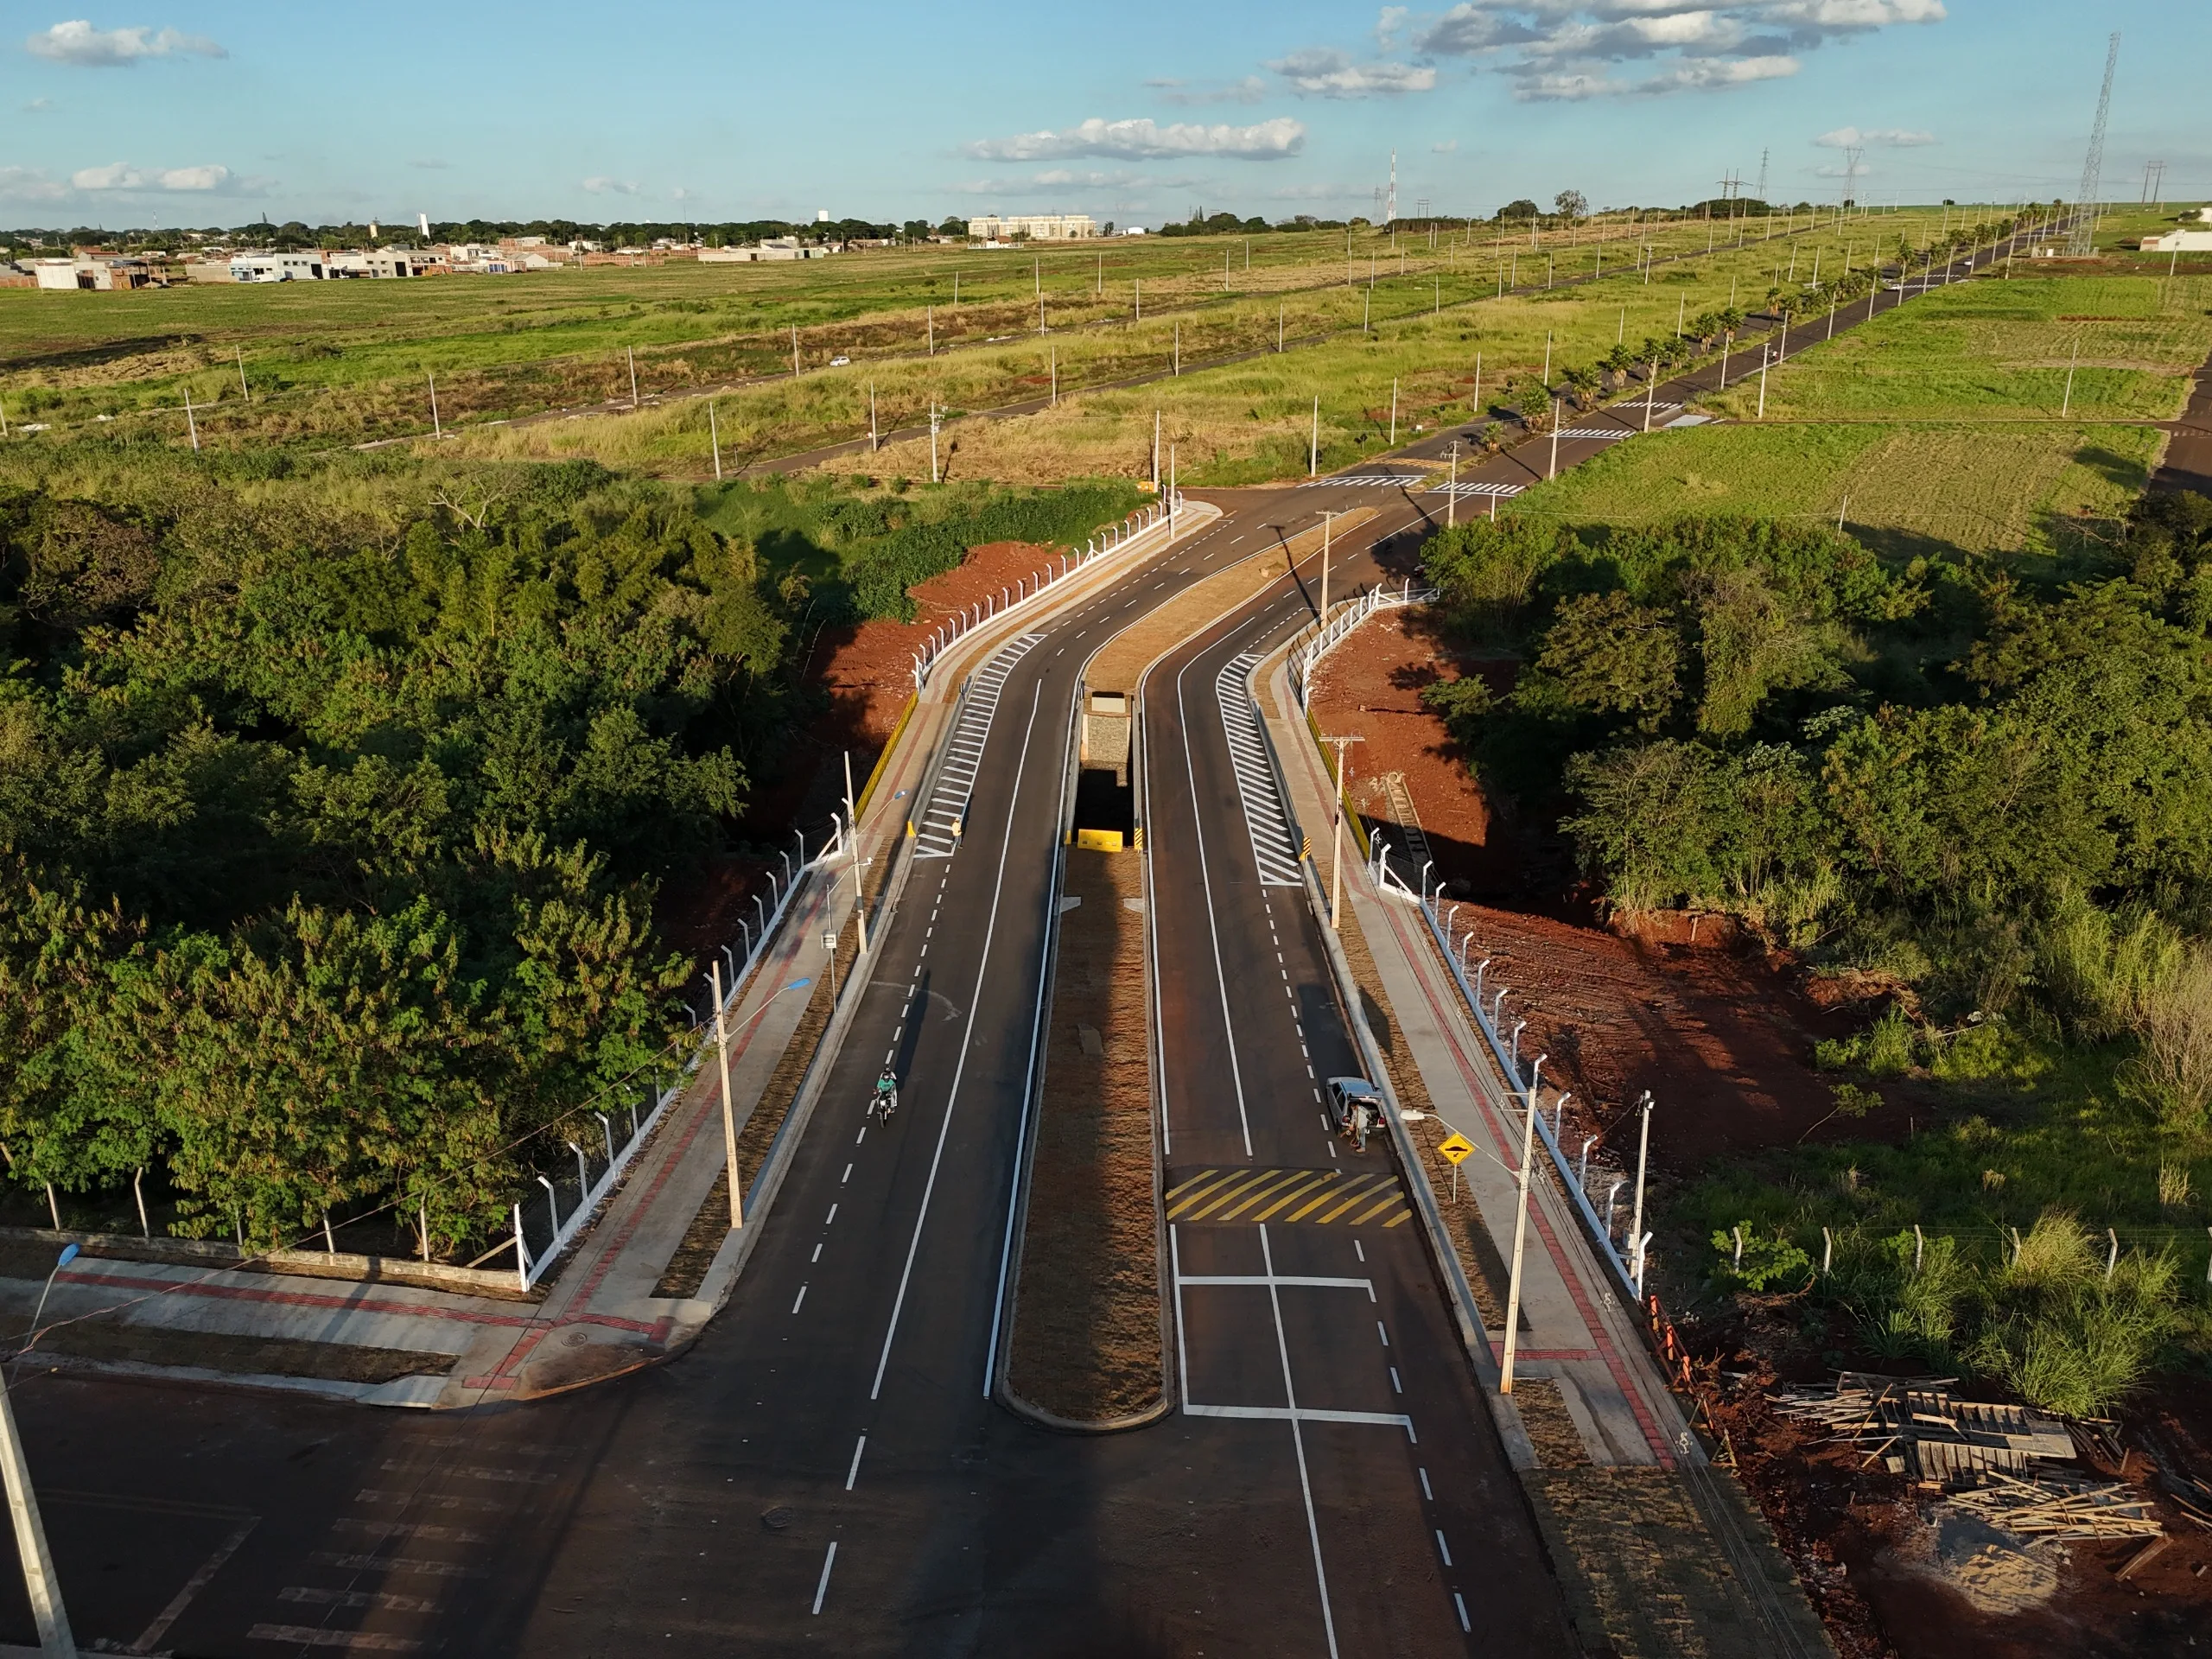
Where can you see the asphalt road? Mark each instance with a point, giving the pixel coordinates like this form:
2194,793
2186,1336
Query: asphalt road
825,1471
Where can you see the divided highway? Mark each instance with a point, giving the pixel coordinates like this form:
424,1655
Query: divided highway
825,1472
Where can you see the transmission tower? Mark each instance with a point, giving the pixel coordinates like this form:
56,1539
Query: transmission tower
2154,182
2083,241
1851,156
1759,194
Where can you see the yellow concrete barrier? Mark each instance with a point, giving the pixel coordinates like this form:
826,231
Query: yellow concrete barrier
1099,841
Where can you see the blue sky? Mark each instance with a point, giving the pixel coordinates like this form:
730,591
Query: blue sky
196,111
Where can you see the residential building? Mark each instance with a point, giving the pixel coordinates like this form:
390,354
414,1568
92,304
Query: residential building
776,247
310,265
91,271
377,262
1034,227
2179,242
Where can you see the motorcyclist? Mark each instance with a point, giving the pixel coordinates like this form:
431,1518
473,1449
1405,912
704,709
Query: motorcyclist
886,1094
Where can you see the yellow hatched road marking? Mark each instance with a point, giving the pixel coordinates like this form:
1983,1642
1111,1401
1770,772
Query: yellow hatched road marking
1223,1195
1245,1196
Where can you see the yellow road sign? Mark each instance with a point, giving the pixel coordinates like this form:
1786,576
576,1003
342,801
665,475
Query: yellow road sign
1455,1147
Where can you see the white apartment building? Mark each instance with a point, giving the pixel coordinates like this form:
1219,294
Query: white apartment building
1036,228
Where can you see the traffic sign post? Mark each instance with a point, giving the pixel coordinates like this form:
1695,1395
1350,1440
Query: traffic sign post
1455,1147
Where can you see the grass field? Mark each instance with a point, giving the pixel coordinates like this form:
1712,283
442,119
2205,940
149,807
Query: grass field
347,361
2005,348
1240,422
2035,491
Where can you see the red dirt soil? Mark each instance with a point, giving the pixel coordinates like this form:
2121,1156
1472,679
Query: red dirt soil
1720,1033
868,672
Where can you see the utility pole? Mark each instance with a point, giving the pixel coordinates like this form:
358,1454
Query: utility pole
852,818
437,430
246,391
1520,1234
1313,453
933,432
190,425
1155,449
55,1639
1551,470
1336,833
729,1116
714,433
1452,493
875,439
929,321
633,369
1393,412
633,356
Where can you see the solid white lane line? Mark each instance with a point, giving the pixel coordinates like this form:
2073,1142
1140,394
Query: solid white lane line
802,1297
967,1046
1213,928
1298,1442
853,1473
823,1588
1182,1354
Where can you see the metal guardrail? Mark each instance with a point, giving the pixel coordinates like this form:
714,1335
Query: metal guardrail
1626,1268
1315,643
1116,538
540,1238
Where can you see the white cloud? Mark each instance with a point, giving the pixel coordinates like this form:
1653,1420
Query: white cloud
1569,49
116,175
1389,24
1250,90
430,163
598,185
1145,140
1444,149
1056,180
38,106
1324,72
208,177
122,175
29,184
1886,137
79,43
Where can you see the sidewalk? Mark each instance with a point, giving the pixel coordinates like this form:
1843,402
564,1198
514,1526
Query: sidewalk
1575,1331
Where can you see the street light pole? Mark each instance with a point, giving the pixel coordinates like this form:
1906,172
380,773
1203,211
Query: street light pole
729,1116
859,897
1337,835
1520,1234
1636,1226
1452,495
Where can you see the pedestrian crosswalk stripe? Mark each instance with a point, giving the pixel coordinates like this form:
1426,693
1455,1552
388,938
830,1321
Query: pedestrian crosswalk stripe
1465,490
939,825
1265,824
1366,481
1241,1196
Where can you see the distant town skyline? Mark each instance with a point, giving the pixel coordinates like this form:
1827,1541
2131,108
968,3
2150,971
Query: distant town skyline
212,113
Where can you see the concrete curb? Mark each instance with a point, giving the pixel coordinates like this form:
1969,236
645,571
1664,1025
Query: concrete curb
1032,1107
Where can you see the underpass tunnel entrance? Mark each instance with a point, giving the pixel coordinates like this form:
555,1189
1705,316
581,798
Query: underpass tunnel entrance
1105,803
